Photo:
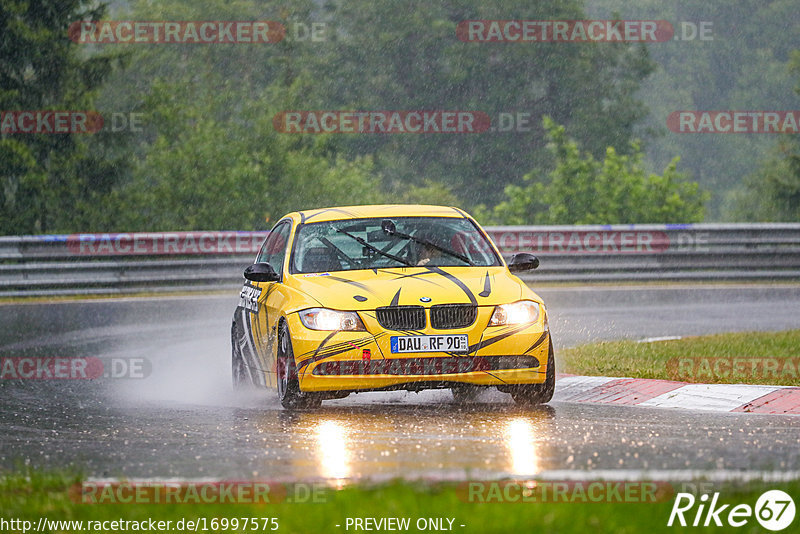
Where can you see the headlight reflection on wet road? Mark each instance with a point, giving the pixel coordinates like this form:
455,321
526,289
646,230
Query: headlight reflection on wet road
332,448
340,444
520,440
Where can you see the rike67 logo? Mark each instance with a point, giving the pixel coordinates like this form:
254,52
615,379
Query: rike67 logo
774,510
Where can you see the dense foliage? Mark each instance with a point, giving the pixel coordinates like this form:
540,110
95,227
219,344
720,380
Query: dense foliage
772,193
203,151
48,178
583,190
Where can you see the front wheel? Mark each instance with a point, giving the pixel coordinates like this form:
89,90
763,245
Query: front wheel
288,385
529,394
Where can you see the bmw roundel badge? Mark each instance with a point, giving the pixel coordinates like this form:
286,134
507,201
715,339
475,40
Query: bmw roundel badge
424,299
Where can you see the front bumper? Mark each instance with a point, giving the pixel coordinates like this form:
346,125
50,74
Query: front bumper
353,361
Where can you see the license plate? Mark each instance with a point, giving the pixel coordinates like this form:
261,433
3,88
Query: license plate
457,343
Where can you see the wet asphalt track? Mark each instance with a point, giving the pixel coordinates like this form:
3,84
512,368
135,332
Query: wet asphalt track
183,420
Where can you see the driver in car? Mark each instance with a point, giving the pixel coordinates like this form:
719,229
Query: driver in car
426,253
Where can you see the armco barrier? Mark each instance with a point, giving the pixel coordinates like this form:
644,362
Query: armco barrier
190,261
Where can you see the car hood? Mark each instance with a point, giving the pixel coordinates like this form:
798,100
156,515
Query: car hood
425,286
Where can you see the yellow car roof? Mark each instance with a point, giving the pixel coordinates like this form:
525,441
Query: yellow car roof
380,210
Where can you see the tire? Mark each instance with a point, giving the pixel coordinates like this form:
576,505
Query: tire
531,394
288,385
239,375
466,393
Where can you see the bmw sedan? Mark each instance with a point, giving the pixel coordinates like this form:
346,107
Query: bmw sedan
369,298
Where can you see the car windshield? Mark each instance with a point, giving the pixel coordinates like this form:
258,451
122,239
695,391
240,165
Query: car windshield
387,243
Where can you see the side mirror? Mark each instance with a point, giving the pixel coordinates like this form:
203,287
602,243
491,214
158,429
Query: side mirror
261,272
524,261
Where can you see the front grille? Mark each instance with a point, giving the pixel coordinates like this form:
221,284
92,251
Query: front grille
401,317
449,316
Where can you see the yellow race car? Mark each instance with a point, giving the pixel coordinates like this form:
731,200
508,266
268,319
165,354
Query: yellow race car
366,298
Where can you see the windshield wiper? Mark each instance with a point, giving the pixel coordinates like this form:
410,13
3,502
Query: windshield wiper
389,228
327,242
362,242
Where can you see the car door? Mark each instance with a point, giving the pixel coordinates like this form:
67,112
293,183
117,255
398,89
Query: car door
270,298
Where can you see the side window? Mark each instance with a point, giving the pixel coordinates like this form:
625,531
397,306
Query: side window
274,249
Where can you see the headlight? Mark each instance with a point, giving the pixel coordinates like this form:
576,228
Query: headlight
520,312
325,319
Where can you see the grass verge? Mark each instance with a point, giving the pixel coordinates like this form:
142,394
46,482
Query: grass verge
34,495
771,358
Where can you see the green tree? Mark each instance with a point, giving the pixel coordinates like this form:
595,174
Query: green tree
740,64
388,55
204,169
208,156
47,178
772,193
583,190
